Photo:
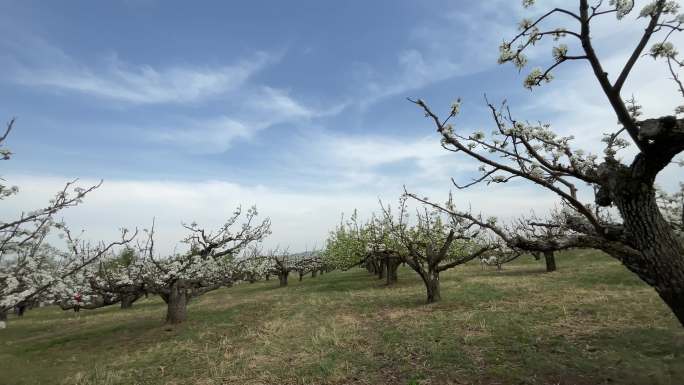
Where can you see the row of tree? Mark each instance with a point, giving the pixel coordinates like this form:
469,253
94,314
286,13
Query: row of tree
429,242
213,260
82,275
630,218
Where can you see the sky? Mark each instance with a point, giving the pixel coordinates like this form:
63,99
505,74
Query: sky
186,110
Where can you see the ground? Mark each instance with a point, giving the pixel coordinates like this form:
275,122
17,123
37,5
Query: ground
591,322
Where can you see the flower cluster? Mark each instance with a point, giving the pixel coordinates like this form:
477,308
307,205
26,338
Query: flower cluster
622,7
663,50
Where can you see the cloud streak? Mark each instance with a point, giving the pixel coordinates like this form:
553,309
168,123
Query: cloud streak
257,110
301,219
46,66
437,50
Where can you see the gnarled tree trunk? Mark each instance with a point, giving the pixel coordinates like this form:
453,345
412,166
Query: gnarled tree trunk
392,267
127,300
382,269
282,278
550,260
431,280
177,302
656,255
3,319
662,262
20,309
369,266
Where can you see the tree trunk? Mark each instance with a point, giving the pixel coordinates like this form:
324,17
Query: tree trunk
127,300
382,269
268,277
550,261
20,309
392,267
282,277
177,302
3,319
314,273
432,286
660,262
301,275
371,267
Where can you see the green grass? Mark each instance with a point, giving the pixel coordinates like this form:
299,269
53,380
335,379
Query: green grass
591,322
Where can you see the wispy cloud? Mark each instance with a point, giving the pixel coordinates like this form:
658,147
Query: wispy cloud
278,105
438,50
372,162
203,136
258,109
416,69
43,65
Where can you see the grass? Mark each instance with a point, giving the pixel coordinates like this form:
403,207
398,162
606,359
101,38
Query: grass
591,322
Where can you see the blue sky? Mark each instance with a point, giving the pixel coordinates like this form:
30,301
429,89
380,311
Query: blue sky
186,109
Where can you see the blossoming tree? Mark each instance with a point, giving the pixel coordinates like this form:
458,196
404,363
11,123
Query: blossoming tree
434,244
208,264
281,264
353,243
638,234
28,266
120,276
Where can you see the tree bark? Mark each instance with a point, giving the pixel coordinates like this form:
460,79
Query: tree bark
282,277
314,273
20,309
301,276
662,265
432,286
127,300
382,269
659,257
3,319
550,260
392,267
177,302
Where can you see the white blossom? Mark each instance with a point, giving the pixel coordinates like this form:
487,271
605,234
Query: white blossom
622,7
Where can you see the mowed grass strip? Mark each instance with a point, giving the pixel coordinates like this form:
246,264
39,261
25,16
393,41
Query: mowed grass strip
591,322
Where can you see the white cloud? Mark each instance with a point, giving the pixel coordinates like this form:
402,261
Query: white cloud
363,162
462,41
370,151
258,109
278,104
415,69
367,152
36,63
204,136
300,219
